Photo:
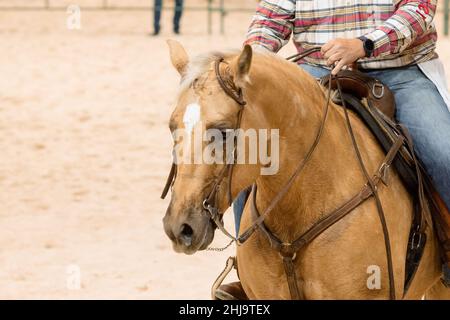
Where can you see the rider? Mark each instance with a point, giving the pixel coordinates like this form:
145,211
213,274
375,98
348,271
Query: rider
393,41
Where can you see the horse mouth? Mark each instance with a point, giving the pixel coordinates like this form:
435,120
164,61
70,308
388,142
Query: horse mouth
208,236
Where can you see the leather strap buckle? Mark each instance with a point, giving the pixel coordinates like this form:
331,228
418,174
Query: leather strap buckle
416,240
206,205
213,212
380,87
286,253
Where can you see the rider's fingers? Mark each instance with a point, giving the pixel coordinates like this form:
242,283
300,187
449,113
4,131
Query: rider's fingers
338,67
326,47
333,59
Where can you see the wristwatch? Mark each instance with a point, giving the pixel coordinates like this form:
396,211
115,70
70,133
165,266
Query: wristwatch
369,46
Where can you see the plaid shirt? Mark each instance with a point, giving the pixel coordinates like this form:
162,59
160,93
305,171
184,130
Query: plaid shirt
402,30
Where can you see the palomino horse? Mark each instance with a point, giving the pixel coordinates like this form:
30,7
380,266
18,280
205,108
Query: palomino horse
279,95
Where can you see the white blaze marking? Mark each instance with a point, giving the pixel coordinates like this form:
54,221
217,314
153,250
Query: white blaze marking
191,117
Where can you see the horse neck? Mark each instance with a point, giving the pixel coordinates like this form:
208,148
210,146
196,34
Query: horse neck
294,103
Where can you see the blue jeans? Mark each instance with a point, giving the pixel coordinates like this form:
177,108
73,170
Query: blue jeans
422,110
176,17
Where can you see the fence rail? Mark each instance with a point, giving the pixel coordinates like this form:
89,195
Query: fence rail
210,7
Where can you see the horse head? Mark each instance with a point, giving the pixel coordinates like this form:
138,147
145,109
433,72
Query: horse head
203,115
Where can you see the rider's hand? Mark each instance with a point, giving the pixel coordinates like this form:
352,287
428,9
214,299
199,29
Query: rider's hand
343,51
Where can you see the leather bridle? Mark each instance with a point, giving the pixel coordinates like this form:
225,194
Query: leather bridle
288,251
210,202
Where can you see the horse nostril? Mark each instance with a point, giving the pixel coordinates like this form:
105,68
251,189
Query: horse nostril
186,234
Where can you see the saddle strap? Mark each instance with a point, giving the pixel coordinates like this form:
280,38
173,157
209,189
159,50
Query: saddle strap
231,262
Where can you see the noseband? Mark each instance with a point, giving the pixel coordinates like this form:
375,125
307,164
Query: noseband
288,251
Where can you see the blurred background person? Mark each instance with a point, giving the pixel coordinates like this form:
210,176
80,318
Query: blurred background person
178,12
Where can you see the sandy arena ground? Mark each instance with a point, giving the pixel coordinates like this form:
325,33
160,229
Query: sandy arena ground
85,152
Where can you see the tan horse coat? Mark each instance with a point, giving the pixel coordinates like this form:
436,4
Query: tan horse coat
340,262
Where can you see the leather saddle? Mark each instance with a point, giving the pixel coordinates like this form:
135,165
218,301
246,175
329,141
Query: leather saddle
361,86
374,103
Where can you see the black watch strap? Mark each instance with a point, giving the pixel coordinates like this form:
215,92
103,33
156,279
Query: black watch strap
369,46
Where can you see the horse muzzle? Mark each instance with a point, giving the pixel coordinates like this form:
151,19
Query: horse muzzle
191,234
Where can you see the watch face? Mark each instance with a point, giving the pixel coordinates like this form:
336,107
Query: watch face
369,45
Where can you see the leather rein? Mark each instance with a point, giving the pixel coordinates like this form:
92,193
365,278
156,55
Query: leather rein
288,251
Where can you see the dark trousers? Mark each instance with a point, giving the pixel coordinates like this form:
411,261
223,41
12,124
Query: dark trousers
176,18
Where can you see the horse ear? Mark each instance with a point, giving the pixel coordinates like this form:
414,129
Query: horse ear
241,66
178,55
